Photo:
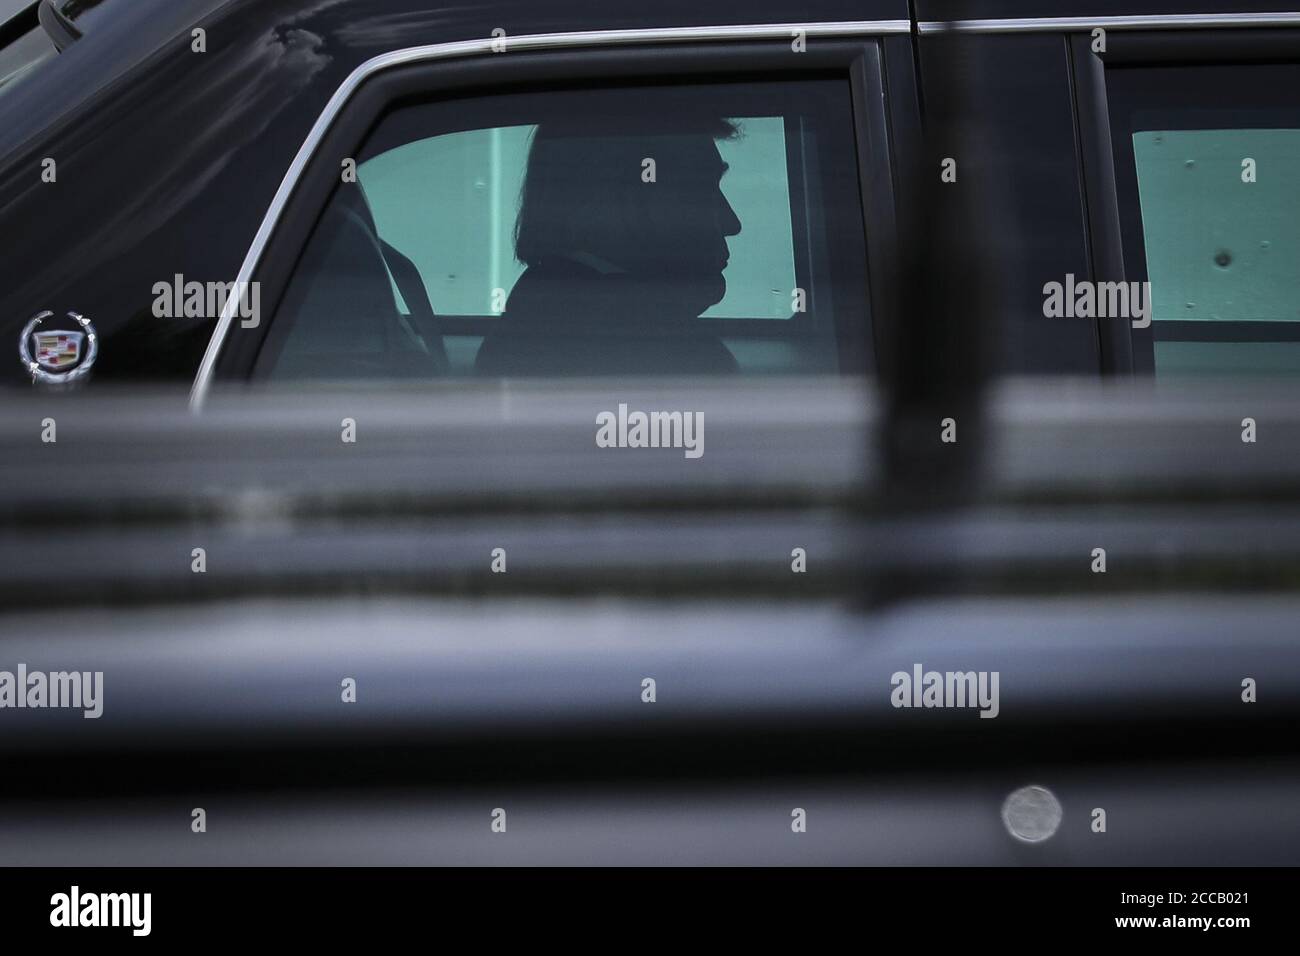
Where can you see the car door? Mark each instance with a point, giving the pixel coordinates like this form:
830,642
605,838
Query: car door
394,245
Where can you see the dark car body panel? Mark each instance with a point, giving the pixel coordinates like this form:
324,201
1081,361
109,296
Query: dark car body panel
167,159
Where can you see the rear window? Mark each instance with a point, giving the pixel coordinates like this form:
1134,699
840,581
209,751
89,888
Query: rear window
1222,246
1206,163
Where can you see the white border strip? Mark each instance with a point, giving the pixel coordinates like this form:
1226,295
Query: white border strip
1161,21
477,47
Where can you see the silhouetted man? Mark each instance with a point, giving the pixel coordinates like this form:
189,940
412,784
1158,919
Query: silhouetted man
623,228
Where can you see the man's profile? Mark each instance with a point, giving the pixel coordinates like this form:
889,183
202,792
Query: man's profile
623,231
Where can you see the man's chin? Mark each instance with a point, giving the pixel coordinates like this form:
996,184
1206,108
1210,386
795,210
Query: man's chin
693,295
711,291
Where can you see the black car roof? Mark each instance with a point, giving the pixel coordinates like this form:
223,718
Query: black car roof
132,32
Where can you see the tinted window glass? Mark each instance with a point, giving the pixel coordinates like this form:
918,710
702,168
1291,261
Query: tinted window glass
1222,245
656,231
464,182
1208,158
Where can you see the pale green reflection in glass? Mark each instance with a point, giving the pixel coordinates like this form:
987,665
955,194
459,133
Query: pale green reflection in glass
1218,248
449,204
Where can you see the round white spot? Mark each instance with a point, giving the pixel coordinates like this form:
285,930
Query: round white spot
1031,814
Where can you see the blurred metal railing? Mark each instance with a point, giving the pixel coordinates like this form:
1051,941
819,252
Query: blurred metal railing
437,479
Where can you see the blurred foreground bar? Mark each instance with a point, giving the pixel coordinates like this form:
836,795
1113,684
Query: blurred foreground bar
1160,477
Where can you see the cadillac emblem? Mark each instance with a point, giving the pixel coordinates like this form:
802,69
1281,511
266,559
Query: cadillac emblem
58,355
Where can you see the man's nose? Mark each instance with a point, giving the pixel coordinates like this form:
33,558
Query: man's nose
727,221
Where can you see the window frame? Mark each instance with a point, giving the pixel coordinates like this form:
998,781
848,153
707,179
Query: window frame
852,52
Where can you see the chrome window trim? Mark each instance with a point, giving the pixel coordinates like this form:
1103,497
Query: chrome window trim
476,47
1160,21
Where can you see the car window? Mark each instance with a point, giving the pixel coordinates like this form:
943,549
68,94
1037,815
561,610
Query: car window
1207,175
447,198
1222,246
651,230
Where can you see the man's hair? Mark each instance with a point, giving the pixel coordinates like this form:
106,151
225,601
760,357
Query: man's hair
582,187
